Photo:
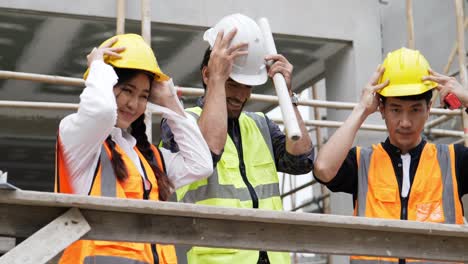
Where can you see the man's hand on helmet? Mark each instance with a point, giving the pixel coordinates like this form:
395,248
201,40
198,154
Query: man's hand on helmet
446,85
369,97
280,65
223,55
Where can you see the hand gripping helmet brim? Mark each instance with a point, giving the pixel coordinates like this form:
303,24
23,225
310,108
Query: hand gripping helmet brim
137,55
404,68
251,68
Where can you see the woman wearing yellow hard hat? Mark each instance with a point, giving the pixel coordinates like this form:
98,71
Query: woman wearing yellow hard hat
102,149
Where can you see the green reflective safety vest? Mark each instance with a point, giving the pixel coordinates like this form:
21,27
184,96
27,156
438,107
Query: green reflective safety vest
225,187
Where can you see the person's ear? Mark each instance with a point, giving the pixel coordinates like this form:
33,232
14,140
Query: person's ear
381,109
205,74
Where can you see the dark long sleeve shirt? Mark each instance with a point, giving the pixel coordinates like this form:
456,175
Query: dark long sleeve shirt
285,162
346,180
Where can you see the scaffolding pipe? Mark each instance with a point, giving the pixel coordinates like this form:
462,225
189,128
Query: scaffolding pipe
324,190
120,24
305,185
436,122
313,201
198,92
292,185
146,21
380,128
453,52
146,34
461,59
451,57
39,105
52,79
311,103
410,23
318,132
458,141
322,123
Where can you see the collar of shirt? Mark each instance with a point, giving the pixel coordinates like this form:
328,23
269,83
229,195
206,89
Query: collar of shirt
393,150
200,101
397,162
118,135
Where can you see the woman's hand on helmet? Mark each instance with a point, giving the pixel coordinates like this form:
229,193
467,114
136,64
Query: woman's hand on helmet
223,55
105,50
280,65
370,97
164,94
446,85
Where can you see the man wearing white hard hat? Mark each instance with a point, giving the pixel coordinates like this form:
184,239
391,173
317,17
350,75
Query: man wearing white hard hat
247,148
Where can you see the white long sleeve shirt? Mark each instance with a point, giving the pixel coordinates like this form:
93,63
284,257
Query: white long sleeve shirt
83,133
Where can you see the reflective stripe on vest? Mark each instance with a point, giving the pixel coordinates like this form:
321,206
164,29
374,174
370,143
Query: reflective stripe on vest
225,187
447,195
443,157
110,260
442,186
106,184
214,190
108,179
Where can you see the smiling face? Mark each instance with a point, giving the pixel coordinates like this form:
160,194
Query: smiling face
131,96
237,95
405,121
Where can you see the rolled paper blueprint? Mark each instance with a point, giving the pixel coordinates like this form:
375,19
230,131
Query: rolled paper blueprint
290,121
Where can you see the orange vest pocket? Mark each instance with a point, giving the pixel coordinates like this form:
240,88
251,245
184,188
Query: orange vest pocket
386,195
430,212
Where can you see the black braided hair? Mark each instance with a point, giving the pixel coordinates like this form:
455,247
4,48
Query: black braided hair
118,165
144,146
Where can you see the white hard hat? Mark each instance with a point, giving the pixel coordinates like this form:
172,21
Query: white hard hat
249,69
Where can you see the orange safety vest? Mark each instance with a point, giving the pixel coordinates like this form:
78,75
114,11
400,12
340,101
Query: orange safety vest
106,184
433,195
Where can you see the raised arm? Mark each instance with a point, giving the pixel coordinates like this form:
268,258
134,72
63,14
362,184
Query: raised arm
333,153
192,161
83,133
213,119
283,66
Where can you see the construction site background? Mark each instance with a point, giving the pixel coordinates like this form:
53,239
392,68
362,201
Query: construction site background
334,46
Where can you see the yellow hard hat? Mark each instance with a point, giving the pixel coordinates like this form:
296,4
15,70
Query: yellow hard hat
405,69
137,55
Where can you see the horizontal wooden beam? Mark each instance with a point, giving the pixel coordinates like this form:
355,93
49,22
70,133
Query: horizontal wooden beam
24,212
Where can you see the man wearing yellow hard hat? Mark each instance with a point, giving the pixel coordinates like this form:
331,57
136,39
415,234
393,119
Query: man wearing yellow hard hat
404,177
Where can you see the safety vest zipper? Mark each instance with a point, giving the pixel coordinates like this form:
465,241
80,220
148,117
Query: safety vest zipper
252,192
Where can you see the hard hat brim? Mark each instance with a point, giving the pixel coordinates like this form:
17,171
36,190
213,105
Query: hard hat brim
138,55
252,80
406,89
159,76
